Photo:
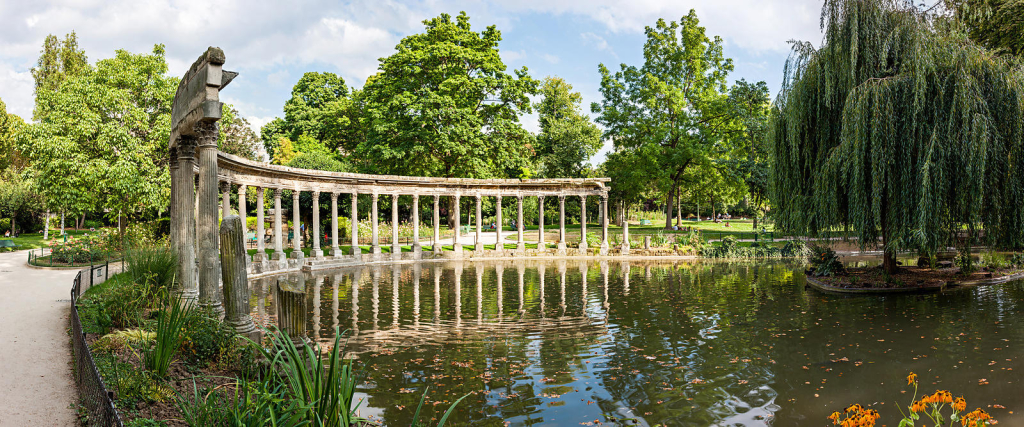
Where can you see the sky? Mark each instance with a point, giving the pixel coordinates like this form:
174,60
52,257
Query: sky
272,43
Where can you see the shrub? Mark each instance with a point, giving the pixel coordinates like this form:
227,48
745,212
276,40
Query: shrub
146,422
659,240
692,239
796,249
205,339
965,262
133,385
1017,260
78,250
124,339
168,336
153,265
825,262
993,260
592,240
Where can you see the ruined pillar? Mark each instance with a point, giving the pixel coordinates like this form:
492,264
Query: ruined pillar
479,247
233,275
541,244
396,246
437,224
457,245
296,226
209,279
317,252
241,206
625,238
225,206
335,249
561,224
174,236
604,224
278,220
583,225
375,248
354,220
184,210
499,242
520,243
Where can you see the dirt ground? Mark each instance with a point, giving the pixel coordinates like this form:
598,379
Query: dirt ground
36,387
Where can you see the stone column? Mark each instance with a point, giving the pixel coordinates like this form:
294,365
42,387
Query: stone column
297,226
317,251
174,235
261,232
561,224
396,246
479,219
541,244
499,242
417,249
278,220
209,271
583,225
520,244
375,248
242,189
225,206
184,210
457,245
233,275
625,238
335,250
354,220
437,224
604,224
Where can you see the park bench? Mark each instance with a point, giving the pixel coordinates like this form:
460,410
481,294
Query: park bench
8,244
645,222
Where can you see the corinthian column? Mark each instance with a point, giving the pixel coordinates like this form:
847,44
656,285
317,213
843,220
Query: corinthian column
261,231
317,252
479,213
396,246
373,224
457,245
561,224
520,244
296,226
225,205
417,249
499,243
241,206
604,224
541,244
184,210
209,267
278,227
354,220
437,224
583,225
335,250
175,228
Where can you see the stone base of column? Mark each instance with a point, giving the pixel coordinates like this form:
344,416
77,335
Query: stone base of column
260,256
417,251
521,248
277,256
458,249
317,253
297,254
604,248
375,249
561,248
625,249
336,252
436,248
396,249
479,247
215,307
357,253
189,296
583,247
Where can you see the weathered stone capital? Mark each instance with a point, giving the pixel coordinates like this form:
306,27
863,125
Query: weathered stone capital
242,189
316,195
277,192
540,198
519,198
295,194
334,196
437,198
207,134
394,198
457,197
225,186
561,198
375,197
186,148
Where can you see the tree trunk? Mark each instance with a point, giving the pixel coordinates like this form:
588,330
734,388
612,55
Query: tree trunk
889,262
46,226
669,206
755,220
714,213
62,223
121,224
81,224
679,209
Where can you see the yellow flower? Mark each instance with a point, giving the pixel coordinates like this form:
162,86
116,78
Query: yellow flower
912,378
959,404
918,406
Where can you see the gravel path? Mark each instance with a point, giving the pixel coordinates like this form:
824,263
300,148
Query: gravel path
36,387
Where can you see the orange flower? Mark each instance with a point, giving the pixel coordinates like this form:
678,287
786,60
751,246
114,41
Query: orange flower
918,406
912,378
959,404
834,417
854,408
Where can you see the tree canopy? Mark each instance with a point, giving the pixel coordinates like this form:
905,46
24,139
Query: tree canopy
996,24
443,105
567,137
898,127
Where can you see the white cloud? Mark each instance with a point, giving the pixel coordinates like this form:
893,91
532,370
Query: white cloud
597,42
551,58
16,90
513,55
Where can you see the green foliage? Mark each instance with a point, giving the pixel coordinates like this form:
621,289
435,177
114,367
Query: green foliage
58,62
168,336
1017,260
205,339
154,265
101,136
123,340
993,260
444,417
898,127
796,249
78,250
965,262
146,422
442,105
671,114
12,128
567,138
824,261
995,24
203,408
236,136
692,239
319,160
133,385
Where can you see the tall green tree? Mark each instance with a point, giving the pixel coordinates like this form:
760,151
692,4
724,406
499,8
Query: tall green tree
321,107
673,107
567,138
11,128
59,61
102,137
236,135
898,127
443,105
995,24
751,107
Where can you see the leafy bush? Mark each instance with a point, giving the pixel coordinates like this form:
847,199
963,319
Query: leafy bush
124,339
78,250
1017,260
156,266
965,262
825,262
993,260
795,249
592,240
692,239
92,223
146,422
205,339
659,240
133,385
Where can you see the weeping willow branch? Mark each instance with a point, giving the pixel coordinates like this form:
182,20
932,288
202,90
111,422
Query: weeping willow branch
898,127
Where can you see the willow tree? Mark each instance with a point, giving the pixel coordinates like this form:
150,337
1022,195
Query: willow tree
898,127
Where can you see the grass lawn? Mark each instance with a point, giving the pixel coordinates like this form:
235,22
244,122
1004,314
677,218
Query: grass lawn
35,240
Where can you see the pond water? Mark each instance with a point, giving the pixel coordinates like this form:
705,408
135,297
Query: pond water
687,343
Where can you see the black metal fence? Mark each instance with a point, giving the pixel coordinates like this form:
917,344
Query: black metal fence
94,396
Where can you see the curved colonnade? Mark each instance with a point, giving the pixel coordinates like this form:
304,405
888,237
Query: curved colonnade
199,189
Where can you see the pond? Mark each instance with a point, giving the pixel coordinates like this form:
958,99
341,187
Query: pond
686,343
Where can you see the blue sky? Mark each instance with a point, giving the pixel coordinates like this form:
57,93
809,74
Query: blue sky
271,43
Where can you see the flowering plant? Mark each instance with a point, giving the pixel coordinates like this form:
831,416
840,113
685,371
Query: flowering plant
77,249
930,405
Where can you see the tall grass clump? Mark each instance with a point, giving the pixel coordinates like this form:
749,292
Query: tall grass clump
168,336
156,265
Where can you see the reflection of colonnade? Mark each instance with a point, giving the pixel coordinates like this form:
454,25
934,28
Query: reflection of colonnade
194,234
298,312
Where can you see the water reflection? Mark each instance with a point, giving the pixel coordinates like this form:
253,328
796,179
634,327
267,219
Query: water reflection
691,344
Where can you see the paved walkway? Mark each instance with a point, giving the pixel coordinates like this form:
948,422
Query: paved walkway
36,387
